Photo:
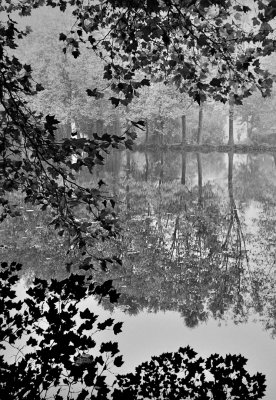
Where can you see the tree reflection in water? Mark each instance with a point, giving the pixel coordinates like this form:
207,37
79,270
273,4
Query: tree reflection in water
185,248
184,241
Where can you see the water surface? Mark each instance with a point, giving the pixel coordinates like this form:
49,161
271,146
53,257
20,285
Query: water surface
198,250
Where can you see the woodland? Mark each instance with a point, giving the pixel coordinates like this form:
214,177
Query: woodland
81,80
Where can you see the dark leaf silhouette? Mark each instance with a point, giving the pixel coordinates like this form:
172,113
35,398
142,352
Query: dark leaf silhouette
58,354
182,374
117,328
118,361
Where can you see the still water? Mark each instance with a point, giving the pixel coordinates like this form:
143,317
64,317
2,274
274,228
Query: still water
202,253
198,250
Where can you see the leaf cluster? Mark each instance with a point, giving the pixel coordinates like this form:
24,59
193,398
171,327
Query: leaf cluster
53,340
183,375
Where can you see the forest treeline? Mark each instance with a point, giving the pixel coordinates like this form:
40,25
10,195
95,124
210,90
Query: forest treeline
170,116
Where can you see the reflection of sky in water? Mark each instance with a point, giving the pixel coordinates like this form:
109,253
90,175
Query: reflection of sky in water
149,334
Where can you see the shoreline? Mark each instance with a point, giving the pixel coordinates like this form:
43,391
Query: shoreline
209,148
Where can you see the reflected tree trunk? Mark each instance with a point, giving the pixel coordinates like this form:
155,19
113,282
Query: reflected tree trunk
127,180
94,126
230,178
200,122
249,126
161,132
117,125
200,194
116,166
274,158
175,233
231,121
184,130
161,176
147,167
233,210
183,169
199,174
231,201
234,244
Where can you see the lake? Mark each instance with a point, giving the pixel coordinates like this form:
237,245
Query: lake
198,250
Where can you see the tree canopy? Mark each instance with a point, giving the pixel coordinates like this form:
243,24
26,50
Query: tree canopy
206,48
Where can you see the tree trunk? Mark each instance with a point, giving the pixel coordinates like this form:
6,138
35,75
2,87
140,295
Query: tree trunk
231,121
200,121
117,125
161,131
73,127
249,127
73,134
147,131
184,130
183,172
116,167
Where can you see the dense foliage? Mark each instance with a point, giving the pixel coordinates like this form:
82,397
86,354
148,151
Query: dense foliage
205,48
183,375
46,335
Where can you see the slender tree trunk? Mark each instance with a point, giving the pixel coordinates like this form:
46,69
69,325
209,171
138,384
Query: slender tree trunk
70,95
231,121
116,166
230,177
200,121
184,130
274,158
249,127
231,197
73,129
161,176
94,127
231,201
117,125
147,166
147,131
199,174
127,180
161,131
183,172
